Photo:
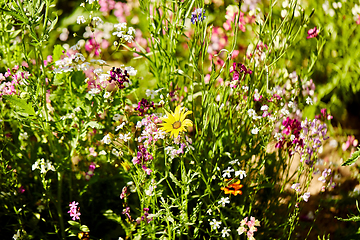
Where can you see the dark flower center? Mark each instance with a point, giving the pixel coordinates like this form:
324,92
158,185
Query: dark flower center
176,124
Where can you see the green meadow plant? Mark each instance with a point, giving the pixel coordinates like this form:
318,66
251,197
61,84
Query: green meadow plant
208,152
337,68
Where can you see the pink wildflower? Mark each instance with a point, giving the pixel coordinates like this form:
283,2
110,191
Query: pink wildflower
252,224
313,33
21,189
350,141
123,193
91,45
126,211
90,172
74,211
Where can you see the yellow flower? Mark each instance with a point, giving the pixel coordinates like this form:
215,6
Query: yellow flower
176,122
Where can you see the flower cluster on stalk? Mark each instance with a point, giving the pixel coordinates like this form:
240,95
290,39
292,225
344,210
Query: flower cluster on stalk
18,77
239,71
120,77
313,135
143,106
251,225
198,15
43,166
146,218
149,136
292,129
74,211
90,173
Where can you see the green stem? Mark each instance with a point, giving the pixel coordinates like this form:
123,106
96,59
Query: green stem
59,191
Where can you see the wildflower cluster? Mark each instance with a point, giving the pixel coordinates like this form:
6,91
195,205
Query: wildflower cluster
120,77
324,115
74,211
149,136
313,133
144,106
223,87
234,186
11,79
297,188
239,73
290,136
324,177
257,54
90,173
125,34
251,224
43,166
198,15
146,218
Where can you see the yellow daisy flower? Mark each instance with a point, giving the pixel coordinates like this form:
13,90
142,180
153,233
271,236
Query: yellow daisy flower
176,122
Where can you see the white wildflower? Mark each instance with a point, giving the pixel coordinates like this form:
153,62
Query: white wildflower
227,172
240,173
106,139
151,93
224,201
306,196
115,152
98,20
264,108
255,131
102,152
131,31
215,224
225,232
94,91
131,71
107,94
80,20
309,101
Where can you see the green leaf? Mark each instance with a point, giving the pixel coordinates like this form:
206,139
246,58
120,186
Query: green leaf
109,214
94,124
74,223
15,33
173,178
15,15
84,228
77,80
53,23
57,52
354,157
21,104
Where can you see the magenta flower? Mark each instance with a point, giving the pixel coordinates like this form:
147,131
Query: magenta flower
123,193
143,106
92,46
21,189
120,77
74,211
90,172
313,33
126,211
